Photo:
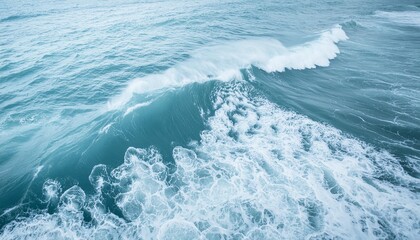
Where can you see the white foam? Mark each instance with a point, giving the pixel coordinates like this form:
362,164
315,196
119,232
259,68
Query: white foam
106,128
38,169
73,199
224,62
259,172
176,229
404,17
137,106
51,190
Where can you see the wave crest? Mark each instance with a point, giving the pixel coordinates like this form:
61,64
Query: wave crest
224,62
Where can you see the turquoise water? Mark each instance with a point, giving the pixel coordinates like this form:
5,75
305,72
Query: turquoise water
210,120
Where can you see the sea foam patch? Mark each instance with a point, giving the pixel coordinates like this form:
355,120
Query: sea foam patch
224,62
258,172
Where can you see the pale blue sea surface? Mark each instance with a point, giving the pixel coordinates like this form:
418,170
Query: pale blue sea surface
210,119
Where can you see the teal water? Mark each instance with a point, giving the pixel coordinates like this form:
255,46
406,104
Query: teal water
210,119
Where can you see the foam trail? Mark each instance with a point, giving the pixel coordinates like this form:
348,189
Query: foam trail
224,62
137,106
37,171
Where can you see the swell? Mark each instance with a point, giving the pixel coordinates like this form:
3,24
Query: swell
224,62
20,17
409,18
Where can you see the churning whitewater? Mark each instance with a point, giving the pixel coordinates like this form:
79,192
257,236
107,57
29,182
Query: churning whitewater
258,172
209,120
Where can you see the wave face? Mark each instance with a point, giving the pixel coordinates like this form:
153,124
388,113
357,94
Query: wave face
224,62
258,172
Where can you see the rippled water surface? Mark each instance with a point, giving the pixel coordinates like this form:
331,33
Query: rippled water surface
210,119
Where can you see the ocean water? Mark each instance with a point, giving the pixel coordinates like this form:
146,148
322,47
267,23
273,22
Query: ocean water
210,119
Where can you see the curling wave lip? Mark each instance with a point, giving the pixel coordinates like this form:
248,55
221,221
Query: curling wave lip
224,62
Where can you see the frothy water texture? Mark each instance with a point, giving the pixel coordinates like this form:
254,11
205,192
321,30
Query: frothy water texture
210,120
259,172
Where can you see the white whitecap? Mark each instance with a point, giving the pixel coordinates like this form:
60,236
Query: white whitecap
224,62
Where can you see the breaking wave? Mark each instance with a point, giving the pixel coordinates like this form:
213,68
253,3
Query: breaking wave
224,62
258,172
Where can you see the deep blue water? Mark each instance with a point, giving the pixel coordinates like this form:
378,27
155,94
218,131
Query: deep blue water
210,119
